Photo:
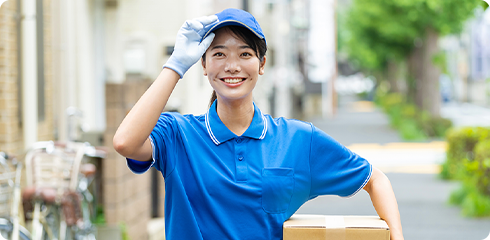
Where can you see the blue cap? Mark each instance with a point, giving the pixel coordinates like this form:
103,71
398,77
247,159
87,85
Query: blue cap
236,17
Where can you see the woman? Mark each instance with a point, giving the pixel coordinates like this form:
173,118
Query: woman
234,172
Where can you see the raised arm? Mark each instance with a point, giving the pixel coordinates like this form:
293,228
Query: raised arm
131,138
384,202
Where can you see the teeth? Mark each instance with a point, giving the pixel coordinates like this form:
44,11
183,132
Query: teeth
235,80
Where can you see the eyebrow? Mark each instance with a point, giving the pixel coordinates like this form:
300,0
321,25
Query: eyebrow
224,47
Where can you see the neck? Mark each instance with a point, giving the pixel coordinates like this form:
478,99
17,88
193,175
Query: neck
236,115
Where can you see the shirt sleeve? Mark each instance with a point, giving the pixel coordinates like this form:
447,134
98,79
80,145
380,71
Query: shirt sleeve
335,170
162,138
140,167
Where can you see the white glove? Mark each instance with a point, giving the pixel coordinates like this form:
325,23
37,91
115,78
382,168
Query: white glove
188,46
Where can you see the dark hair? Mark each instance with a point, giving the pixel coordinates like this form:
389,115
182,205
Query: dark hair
258,46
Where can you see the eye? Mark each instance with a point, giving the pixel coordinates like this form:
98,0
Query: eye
218,54
247,54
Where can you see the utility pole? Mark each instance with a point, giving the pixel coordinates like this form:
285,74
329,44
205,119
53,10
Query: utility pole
29,72
322,56
329,95
245,5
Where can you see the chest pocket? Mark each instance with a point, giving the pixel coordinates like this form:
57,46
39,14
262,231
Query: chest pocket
277,189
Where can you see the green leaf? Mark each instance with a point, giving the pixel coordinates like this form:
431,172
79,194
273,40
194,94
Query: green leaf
380,30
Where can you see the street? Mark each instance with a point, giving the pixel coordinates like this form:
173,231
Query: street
412,168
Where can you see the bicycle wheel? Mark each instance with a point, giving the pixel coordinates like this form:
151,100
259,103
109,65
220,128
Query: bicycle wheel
90,236
24,233
85,234
6,229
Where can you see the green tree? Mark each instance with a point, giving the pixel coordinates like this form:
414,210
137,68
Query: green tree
382,34
484,5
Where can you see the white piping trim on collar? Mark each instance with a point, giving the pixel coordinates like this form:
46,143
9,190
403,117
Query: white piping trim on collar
265,127
215,140
210,132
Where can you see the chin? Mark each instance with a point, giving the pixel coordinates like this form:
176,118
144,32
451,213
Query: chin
234,97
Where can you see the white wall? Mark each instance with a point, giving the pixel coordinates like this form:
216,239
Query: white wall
80,73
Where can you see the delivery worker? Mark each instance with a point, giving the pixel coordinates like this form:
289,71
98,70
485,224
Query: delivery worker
235,172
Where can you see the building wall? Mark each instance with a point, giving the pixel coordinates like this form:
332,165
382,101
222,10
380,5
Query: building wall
11,132
126,196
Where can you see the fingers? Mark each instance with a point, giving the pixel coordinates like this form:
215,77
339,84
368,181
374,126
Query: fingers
207,41
193,25
197,24
207,19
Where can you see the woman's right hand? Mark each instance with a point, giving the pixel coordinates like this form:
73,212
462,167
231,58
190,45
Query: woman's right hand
188,46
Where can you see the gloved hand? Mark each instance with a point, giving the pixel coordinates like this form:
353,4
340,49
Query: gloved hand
188,46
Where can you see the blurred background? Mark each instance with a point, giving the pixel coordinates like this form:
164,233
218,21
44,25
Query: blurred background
369,72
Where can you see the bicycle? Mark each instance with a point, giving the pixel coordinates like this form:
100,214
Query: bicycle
57,198
10,176
84,229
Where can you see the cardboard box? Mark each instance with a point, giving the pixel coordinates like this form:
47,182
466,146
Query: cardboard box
313,227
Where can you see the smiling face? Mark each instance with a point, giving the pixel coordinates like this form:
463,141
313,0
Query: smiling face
232,66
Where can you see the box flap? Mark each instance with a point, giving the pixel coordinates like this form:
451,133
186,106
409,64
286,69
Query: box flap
334,222
364,222
315,221
303,220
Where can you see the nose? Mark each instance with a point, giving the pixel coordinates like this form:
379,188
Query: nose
232,65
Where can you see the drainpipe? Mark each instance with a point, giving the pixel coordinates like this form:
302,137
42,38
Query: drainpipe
29,72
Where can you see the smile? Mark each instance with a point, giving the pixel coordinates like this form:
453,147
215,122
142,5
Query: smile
232,80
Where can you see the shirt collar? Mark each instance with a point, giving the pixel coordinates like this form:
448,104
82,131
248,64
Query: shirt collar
219,133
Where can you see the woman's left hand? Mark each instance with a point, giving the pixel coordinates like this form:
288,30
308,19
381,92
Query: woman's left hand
384,202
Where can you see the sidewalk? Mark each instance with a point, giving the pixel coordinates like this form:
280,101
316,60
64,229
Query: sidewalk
411,167
358,122
466,114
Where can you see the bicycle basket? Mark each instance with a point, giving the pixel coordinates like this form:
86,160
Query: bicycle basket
7,184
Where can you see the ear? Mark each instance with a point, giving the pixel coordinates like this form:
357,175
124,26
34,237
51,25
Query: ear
262,66
203,63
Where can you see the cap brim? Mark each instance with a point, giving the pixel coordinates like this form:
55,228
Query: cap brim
229,23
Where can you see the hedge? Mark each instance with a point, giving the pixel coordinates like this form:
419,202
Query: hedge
409,120
461,149
468,160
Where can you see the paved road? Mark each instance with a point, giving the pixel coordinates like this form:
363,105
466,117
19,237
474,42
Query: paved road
411,167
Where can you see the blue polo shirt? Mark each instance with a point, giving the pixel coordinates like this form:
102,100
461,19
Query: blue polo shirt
223,186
